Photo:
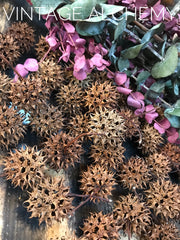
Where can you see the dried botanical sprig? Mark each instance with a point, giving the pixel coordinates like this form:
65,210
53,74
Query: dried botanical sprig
70,98
108,156
165,231
48,120
99,226
132,216
109,123
135,173
151,139
25,167
164,198
48,201
9,49
99,95
28,94
97,182
58,154
23,34
132,122
60,231
159,165
11,126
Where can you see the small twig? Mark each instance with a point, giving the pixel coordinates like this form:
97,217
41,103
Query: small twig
10,65
80,205
45,55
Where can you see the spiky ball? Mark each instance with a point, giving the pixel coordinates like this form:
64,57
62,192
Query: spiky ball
11,126
99,226
172,151
97,182
159,164
163,198
4,88
132,215
9,49
48,120
99,95
108,156
49,201
23,34
25,167
59,153
135,173
108,124
151,139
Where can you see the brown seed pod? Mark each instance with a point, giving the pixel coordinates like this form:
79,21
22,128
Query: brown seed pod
151,139
11,126
25,167
42,48
61,155
70,98
132,215
108,124
99,226
28,94
159,164
164,198
97,182
131,122
172,151
135,173
9,49
99,95
48,120
4,88
165,231
23,34
49,201
108,156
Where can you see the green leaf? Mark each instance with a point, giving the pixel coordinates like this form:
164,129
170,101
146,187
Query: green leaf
111,54
176,88
175,111
125,19
174,120
168,65
123,64
154,30
132,52
158,86
46,6
105,10
142,77
90,29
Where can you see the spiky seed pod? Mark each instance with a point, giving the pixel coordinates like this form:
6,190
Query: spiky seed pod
135,173
100,95
132,215
108,156
70,98
9,49
42,48
159,164
173,153
108,124
99,226
51,74
47,121
151,139
49,201
97,182
4,88
164,198
60,231
78,125
28,94
11,126
59,154
23,34
131,122
165,231
25,167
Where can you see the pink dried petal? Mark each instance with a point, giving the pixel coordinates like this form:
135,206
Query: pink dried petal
173,135
136,100
96,60
69,28
79,63
80,75
120,78
21,70
31,64
51,41
123,90
150,117
139,111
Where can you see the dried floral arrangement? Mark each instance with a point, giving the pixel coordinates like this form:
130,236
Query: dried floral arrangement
73,96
